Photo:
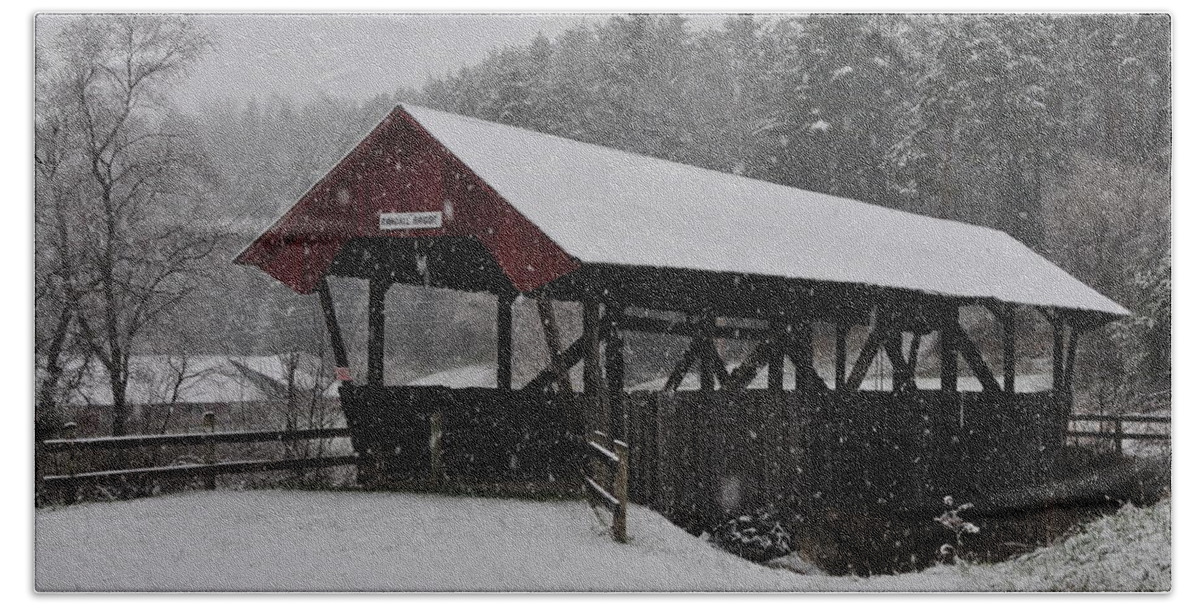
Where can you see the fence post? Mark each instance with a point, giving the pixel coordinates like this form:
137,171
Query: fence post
621,490
210,425
70,489
435,448
1119,436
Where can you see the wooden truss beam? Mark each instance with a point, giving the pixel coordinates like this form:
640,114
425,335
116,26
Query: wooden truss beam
545,307
331,325
744,374
975,361
564,360
681,368
865,356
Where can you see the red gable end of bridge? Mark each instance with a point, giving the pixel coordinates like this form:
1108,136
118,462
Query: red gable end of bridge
399,167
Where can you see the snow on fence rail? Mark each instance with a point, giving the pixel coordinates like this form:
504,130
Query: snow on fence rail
67,484
1119,427
607,480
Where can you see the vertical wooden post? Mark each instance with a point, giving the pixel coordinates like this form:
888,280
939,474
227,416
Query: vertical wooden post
1057,354
895,339
802,357
340,359
376,295
70,488
621,491
1009,322
1067,396
1119,436
775,362
436,469
914,350
1061,408
703,431
210,425
708,371
614,372
592,377
839,363
948,464
949,353
504,342
1069,364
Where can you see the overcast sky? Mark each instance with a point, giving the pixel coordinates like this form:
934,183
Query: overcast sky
342,55
356,56
349,55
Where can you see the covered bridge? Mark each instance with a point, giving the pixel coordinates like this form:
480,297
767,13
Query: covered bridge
647,245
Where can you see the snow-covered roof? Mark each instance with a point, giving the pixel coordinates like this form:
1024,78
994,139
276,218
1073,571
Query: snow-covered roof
479,375
468,376
606,206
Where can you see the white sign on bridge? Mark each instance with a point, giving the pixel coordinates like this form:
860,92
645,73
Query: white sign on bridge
410,220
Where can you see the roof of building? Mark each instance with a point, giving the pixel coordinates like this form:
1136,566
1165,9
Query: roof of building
600,205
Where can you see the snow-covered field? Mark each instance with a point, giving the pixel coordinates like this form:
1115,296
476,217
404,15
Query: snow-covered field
275,540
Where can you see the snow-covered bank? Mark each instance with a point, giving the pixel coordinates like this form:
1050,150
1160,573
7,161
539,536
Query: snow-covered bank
342,541
1127,551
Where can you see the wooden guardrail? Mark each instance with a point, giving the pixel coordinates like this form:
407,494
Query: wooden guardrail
68,483
1115,427
606,483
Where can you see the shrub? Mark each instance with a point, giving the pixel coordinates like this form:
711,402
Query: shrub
954,522
759,537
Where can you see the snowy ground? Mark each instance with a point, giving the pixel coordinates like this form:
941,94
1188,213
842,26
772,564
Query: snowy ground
342,541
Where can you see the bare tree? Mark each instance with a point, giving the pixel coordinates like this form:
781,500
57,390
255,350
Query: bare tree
166,386
138,180
54,312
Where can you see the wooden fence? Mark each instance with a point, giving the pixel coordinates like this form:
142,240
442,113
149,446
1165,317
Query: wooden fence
482,437
68,483
1117,428
606,482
